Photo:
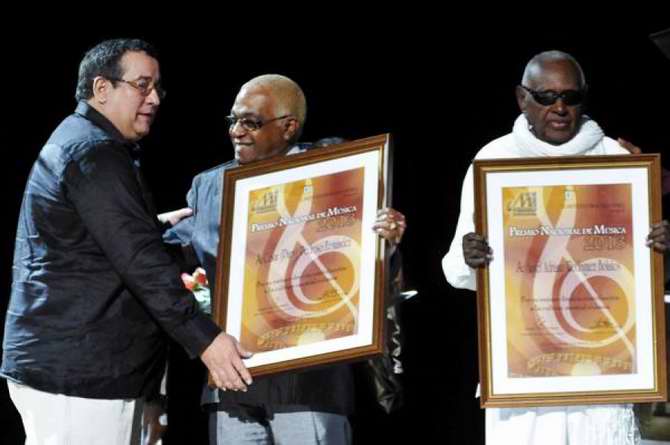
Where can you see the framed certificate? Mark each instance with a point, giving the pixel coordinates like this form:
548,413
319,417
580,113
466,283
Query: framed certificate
571,306
300,273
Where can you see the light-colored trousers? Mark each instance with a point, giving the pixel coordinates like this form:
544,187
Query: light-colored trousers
57,419
301,427
562,425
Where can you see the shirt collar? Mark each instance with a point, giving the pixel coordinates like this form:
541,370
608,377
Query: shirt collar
87,111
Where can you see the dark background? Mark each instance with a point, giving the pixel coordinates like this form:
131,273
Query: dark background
442,93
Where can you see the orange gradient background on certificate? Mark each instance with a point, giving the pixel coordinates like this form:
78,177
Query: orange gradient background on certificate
569,280
302,269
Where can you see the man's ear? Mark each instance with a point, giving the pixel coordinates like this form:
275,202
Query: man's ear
101,88
521,98
291,127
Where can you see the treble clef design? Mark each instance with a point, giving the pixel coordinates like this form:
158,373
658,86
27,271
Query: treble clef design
578,274
292,237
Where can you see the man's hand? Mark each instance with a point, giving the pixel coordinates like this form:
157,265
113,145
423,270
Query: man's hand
223,358
390,225
476,250
659,237
175,216
633,149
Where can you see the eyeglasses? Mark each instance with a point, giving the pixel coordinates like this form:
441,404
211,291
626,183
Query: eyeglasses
251,124
144,86
549,97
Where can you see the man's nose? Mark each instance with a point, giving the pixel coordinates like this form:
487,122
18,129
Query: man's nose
153,97
236,129
559,107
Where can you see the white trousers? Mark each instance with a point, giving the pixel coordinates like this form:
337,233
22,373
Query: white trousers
57,419
563,425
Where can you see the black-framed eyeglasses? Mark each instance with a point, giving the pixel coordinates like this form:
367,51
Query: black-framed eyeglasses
250,124
549,97
144,86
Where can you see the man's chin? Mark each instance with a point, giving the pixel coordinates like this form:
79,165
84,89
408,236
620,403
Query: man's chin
140,132
245,155
559,137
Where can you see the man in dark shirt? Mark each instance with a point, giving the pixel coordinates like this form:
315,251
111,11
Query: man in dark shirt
94,288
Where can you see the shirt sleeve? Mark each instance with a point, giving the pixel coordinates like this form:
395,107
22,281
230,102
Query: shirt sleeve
457,272
102,184
182,232
179,237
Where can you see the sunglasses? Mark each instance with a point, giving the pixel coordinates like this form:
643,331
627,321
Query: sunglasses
546,98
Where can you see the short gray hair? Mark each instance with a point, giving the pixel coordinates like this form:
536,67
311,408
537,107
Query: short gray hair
535,65
290,97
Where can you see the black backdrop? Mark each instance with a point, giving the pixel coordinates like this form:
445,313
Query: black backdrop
442,93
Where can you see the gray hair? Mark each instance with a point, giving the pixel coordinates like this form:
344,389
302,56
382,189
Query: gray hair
535,65
290,97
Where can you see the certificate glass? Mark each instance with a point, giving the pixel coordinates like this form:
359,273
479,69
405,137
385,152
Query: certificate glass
300,273
571,306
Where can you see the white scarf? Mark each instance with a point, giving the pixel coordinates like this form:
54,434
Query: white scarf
589,135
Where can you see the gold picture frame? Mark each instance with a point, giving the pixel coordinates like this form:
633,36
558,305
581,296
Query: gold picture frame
300,273
570,308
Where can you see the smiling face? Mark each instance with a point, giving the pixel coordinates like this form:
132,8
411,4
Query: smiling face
556,123
131,112
259,104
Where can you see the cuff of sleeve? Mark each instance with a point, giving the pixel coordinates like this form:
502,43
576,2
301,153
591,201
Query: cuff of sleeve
197,334
163,226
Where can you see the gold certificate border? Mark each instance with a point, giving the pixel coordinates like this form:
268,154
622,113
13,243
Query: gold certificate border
652,164
220,306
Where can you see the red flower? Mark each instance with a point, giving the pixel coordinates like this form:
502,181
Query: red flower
200,276
196,281
188,281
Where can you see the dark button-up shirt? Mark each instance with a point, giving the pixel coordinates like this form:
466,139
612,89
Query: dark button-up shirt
93,286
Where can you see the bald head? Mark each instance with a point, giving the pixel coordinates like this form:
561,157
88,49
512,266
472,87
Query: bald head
538,66
551,96
288,96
